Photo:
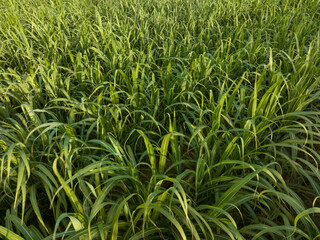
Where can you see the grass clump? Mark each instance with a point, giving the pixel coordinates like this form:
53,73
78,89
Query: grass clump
183,119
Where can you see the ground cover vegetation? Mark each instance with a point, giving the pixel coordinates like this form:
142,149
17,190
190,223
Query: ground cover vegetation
141,119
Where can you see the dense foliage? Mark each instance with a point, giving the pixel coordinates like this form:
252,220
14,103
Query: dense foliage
142,119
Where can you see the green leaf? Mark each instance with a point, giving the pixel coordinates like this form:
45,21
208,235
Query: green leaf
150,150
226,196
9,234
